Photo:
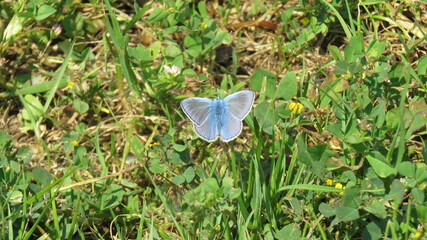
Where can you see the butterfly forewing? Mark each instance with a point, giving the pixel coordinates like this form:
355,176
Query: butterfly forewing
197,109
240,103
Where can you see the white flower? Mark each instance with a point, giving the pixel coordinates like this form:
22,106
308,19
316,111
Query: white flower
174,70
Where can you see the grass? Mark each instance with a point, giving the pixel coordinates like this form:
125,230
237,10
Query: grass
94,145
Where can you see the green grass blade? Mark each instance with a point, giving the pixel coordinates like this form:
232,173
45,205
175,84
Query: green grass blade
310,187
59,77
346,29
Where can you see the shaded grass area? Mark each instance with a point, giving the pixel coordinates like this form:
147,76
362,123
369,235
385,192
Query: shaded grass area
93,143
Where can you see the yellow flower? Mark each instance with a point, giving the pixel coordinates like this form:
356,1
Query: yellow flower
296,108
71,84
75,143
203,26
329,182
305,21
217,228
340,186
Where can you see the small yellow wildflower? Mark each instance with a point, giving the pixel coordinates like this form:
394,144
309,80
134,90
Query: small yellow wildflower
71,84
305,21
75,143
418,234
203,26
329,182
217,228
153,144
296,108
340,186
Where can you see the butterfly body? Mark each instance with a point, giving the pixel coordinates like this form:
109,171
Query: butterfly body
220,117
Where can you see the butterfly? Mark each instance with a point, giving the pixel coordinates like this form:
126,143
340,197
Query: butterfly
220,117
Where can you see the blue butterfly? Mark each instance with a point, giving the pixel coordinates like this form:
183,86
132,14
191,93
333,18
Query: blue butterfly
219,118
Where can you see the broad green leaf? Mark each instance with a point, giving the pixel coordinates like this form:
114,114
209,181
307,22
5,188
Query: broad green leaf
422,65
5,140
189,174
206,192
396,193
157,15
229,190
13,28
172,51
222,37
80,106
42,176
290,232
15,197
372,232
264,81
287,88
406,169
180,157
35,108
303,155
156,167
418,195
380,167
44,12
178,180
128,184
376,49
264,117
377,208
296,206
179,147
112,197
346,213
326,210
421,174
321,152
421,210
351,197
194,45
307,103
374,186
354,49
202,10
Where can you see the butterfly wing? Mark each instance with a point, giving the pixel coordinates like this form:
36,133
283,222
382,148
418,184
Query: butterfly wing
240,103
231,127
208,131
197,109
237,106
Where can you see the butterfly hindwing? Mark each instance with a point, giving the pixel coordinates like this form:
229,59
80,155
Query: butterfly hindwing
209,128
231,127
